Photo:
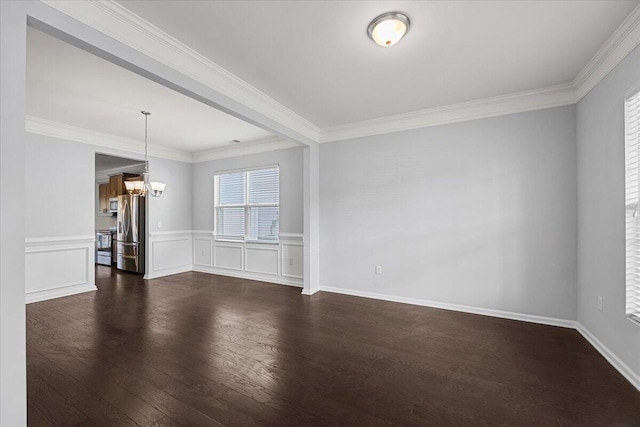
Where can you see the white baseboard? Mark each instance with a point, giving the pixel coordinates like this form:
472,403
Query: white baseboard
250,276
622,367
168,272
565,323
625,370
309,292
63,291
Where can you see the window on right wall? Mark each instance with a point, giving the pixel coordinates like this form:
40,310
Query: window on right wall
632,201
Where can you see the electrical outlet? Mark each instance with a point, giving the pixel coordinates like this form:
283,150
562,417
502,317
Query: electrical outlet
290,261
600,303
159,224
378,269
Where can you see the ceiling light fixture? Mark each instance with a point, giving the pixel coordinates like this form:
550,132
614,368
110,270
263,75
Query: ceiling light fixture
388,28
140,188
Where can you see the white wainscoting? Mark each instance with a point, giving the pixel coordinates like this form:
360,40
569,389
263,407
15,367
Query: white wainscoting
59,266
169,253
275,263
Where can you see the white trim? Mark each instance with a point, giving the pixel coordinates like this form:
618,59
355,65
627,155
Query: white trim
41,246
128,28
238,245
244,275
58,240
204,232
252,247
59,130
168,271
615,49
53,129
564,323
170,233
243,149
555,96
121,24
620,366
291,238
63,291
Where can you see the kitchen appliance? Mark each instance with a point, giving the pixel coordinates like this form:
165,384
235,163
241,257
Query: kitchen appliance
103,247
131,233
113,205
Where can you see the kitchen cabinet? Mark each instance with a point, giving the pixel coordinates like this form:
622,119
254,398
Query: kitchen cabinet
116,186
103,197
116,183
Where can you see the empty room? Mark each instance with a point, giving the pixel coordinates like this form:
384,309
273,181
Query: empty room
319,213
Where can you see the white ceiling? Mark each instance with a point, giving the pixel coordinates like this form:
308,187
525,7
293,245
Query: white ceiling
68,85
315,58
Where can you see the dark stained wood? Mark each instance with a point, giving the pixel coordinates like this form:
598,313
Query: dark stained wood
202,350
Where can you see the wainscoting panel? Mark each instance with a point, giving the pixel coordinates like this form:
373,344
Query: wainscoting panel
255,261
292,260
262,259
228,256
58,266
202,251
170,252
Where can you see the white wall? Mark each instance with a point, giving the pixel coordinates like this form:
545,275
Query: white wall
601,213
60,187
60,194
169,248
480,214
13,385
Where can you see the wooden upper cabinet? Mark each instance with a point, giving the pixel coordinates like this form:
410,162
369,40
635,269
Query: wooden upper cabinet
116,183
116,186
103,197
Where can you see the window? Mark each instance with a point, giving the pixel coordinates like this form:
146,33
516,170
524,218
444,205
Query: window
247,205
632,200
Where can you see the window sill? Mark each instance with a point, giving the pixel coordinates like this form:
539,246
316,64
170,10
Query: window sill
253,242
633,319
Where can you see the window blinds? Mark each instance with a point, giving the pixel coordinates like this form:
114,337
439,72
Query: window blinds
632,200
247,205
230,205
263,201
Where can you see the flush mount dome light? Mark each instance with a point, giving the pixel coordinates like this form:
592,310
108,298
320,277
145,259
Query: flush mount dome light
388,28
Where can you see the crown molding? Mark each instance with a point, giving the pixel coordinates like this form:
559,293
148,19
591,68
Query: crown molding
54,129
615,49
121,24
243,149
538,99
73,133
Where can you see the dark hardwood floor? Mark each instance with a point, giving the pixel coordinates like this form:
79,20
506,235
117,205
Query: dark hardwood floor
202,350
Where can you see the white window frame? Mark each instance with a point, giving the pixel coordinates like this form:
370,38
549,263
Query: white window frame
632,205
246,206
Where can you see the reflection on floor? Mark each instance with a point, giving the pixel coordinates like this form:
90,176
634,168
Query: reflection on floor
201,350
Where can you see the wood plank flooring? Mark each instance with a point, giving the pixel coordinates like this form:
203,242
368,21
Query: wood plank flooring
201,350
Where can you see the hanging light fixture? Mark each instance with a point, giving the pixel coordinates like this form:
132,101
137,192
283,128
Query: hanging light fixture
140,188
387,29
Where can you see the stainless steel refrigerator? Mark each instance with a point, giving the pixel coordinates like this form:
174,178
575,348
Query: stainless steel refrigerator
131,235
